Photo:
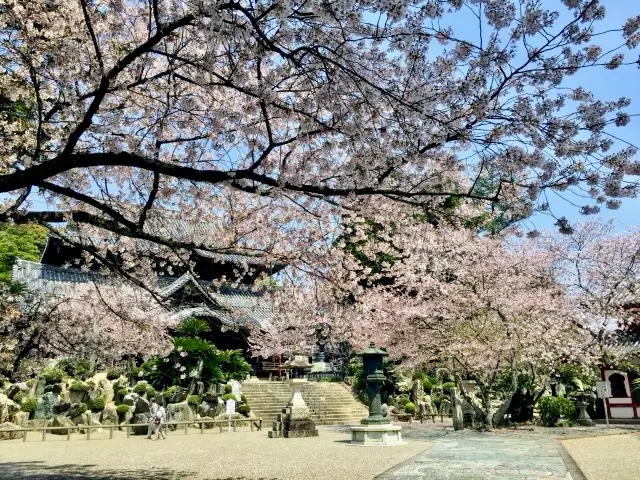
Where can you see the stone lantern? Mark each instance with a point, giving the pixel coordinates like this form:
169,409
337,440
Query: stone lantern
375,430
295,420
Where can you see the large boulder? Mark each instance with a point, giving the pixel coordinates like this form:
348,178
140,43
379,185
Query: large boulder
78,396
4,408
417,392
109,416
63,406
142,405
10,435
234,416
235,389
7,408
46,406
61,421
140,418
21,419
180,412
207,425
179,396
130,399
16,388
76,409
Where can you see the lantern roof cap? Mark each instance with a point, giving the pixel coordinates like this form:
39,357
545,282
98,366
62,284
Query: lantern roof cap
373,350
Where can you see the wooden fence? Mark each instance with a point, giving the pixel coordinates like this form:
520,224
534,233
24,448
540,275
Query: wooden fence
253,423
407,417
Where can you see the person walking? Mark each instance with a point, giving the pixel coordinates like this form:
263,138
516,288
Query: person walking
160,423
153,409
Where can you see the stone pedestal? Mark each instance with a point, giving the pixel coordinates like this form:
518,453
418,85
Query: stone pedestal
583,417
377,435
321,367
295,420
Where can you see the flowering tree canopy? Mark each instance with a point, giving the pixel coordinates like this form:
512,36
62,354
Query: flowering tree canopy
275,114
480,305
103,322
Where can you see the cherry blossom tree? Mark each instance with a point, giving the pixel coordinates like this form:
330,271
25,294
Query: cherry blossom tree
601,268
271,117
479,305
98,322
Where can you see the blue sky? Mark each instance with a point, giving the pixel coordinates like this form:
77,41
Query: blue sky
607,85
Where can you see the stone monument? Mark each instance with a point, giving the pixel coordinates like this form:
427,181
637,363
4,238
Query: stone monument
375,430
456,410
295,420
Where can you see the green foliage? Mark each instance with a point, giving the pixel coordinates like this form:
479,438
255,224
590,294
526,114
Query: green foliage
151,392
553,408
228,396
429,383
19,241
243,410
122,392
19,397
193,327
53,375
73,367
98,404
193,400
114,373
243,399
233,365
29,405
447,386
122,409
140,388
137,372
409,407
170,391
228,389
78,386
403,399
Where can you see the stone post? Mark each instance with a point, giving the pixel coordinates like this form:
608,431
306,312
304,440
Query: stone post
456,409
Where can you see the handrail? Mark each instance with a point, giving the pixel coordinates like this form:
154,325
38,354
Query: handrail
253,422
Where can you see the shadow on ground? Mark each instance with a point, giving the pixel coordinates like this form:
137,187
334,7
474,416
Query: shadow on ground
42,471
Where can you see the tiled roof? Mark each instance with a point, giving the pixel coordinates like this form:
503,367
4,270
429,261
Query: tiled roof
238,306
624,344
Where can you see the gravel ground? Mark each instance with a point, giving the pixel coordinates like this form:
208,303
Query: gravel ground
612,457
230,456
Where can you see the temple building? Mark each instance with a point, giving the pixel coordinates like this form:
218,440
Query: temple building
624,402
221,291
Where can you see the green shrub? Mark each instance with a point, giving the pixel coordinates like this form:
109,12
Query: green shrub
77,386
193,400
114,373
402,399
409,407
122,392
429,383
29,405
228,396
447,386
170,391
151,392
554,408
98,404
137,372
228,389
53,375
243,399
140,388
243,410
19,397
122,409
73,367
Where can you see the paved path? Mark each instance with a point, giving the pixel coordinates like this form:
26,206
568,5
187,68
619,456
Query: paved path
482,456
612,457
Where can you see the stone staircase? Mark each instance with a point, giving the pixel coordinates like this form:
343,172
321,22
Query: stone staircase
331,403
